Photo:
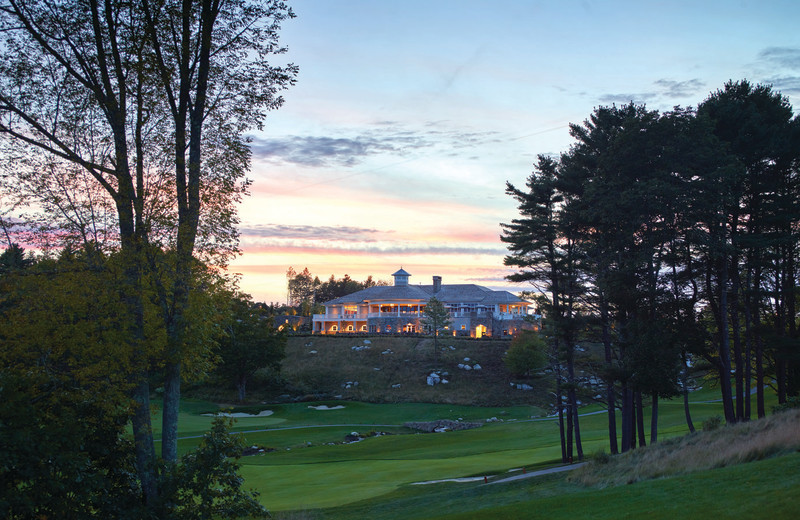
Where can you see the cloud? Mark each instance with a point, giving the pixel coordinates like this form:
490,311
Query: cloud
320,151
785,84
351,146
624,99
783,64
326,246
665,92
299,232
786,57
680,88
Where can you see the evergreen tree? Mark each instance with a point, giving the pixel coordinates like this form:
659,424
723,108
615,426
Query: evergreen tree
435,319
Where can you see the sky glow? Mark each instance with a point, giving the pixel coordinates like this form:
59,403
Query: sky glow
394,147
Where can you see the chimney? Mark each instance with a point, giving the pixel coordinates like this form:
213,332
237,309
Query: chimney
437,284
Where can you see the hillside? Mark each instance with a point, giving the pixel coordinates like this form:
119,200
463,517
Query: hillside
395,369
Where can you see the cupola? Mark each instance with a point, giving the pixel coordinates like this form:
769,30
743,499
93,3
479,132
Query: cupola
401,278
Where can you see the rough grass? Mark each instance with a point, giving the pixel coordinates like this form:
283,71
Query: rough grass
745,442
394,370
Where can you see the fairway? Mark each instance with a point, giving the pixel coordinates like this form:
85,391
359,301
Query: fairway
307,464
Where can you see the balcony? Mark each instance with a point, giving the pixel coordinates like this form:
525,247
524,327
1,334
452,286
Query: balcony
349,316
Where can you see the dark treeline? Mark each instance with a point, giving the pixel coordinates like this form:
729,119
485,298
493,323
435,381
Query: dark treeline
668,238
307,293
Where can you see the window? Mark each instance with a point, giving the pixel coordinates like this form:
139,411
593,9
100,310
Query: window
463,327
363,328
349,328
334,328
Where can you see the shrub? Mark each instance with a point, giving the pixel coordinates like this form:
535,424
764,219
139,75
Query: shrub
600,457
526,354
790,404
712,423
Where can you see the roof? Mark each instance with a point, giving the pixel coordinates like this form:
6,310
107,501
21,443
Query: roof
401,272
451,293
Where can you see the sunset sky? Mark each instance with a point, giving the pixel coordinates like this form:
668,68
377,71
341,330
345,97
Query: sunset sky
408,117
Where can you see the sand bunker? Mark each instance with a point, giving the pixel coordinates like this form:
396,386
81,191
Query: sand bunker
326,407
465,479
240,415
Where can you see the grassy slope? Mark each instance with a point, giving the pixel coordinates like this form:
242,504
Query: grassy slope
744,491
401,361
732,490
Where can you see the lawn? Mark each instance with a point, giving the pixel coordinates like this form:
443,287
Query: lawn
308,466
745,491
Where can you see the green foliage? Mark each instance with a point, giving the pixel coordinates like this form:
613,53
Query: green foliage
250,343
14,258
436,318
307,292
790,404
527,354
63,451
206,485
600,457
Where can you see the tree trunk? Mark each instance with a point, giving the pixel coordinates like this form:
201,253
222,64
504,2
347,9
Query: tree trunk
760,408
748,344
578,444
171,404
573,400
640,419
737,345
569,429
724,347
241,386
560,405
633,420
627,418
609,382
685,380
145,451
654,420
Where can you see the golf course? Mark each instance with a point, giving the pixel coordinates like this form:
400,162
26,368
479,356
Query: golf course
349,459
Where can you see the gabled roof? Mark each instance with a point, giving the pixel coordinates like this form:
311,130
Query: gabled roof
451,293
383,292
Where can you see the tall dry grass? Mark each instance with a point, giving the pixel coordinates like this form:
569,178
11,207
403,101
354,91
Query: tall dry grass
744,442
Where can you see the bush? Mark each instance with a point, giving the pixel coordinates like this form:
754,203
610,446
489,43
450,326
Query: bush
790,404
712,423
526,354
600,457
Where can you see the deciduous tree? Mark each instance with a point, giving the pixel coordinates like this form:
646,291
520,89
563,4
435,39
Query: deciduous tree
152,99
250,343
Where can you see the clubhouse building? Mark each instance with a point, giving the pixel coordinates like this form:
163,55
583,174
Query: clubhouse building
475,311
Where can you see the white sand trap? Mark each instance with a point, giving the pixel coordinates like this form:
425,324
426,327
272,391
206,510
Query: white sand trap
240,415
326,407
465,479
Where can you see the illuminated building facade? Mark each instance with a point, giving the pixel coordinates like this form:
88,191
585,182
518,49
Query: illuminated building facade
475,311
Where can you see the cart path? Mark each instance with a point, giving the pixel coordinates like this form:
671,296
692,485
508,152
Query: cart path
557,469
